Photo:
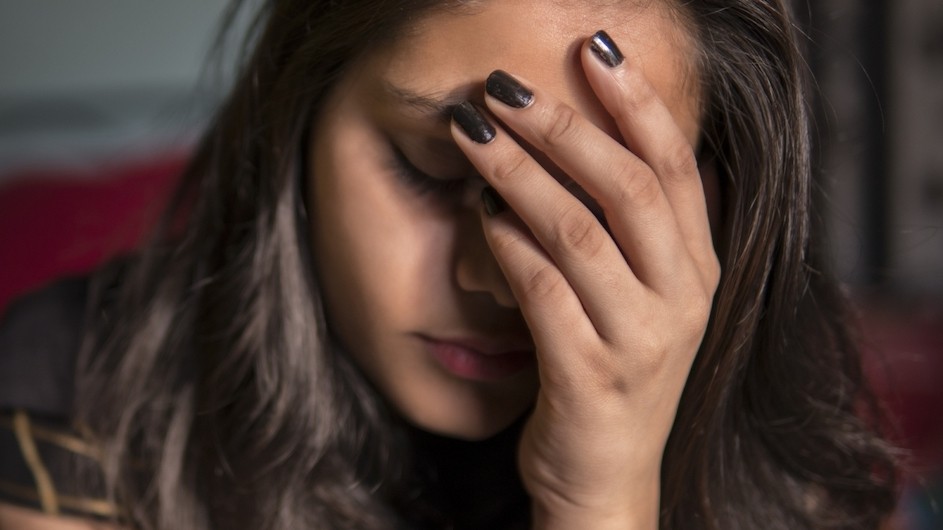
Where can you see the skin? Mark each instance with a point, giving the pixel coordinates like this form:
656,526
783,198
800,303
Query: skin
615,317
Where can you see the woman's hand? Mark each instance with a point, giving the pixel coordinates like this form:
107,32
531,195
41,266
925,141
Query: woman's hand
617,316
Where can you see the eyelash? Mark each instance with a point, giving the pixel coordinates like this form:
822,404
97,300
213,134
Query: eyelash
421,182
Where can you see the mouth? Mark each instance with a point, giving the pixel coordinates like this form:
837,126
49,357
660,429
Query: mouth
480,360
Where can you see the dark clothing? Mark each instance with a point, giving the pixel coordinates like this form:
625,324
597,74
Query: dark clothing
39,340
47,461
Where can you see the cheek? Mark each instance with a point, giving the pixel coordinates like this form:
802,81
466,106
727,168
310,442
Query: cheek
375,251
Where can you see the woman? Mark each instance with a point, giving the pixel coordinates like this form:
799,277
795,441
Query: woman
331,331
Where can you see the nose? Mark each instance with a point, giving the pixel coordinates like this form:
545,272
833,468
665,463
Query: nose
476,270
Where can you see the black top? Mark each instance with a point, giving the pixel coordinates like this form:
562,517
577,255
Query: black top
39,340
47,462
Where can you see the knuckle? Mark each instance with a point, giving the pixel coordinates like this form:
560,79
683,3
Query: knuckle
512,169
637,186
679,164
578,232
652,356
691,310
648,346
561,126
543,283
714,272
698,311
707,275
503,243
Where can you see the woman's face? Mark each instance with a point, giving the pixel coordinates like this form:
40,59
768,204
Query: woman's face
410,287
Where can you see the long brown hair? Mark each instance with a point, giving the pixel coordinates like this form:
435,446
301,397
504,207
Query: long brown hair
210,377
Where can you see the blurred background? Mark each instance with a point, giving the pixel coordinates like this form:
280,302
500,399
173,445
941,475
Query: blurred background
879,122
101,101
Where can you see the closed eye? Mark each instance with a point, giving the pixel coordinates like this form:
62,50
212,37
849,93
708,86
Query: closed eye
421,182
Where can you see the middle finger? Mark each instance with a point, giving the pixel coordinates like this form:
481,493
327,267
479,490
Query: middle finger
628,190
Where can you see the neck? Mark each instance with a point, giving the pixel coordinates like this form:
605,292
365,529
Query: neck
470,484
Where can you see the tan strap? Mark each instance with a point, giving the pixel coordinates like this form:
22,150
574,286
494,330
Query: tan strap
69,442
48,500
90,506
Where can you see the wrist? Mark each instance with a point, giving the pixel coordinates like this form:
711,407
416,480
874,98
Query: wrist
636,512
545,518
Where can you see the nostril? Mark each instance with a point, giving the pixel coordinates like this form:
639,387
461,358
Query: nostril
477,272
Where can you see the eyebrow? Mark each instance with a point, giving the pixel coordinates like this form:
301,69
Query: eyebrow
437,107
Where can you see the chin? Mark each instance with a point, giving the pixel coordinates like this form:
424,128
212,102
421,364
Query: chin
468,433
468,425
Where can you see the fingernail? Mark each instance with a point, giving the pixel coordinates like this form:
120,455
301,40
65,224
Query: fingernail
492,202
507,90
470,119
605,49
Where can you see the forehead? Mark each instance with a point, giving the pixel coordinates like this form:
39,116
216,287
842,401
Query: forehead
451,53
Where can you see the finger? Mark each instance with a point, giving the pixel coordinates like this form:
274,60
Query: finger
575,241
652,133
628,190
551,308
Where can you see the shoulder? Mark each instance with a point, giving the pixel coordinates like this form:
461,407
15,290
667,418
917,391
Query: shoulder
40,336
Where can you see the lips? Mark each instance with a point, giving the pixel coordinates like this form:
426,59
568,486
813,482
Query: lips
480,360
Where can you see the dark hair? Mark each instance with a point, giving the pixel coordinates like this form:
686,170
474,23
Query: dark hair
211,380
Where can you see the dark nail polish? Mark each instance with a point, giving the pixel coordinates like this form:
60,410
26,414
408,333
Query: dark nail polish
493,202
603,46
507,90
470,119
